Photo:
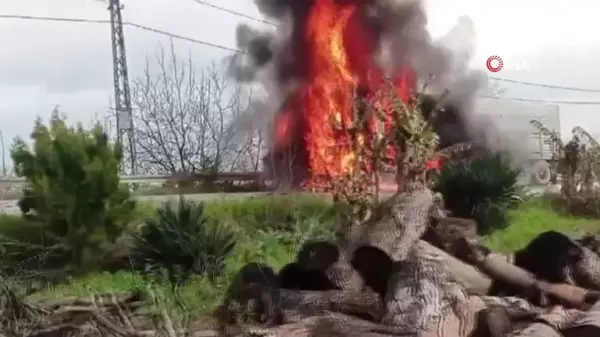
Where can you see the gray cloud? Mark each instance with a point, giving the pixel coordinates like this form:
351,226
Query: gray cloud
61,68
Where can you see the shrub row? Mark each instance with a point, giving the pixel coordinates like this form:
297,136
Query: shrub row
483,189
28,247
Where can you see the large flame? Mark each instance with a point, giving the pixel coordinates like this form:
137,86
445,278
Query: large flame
339,48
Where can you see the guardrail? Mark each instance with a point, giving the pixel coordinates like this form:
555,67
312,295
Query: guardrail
245,176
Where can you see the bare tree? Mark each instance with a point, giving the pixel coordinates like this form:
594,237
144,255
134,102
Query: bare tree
182,119
253,152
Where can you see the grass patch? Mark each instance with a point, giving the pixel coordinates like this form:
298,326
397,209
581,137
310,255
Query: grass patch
144,210
277,213
532,218
16,226
200,296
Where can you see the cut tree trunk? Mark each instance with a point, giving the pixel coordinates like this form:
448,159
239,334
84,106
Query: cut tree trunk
501,270
328,325
301,304
472,279
587,325
444,231
537,330
261,305
402,220
425,297
586,271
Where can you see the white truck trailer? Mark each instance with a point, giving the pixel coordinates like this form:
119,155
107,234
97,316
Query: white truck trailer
514,131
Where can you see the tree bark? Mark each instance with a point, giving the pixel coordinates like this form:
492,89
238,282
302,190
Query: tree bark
501,270
365,304
472,279
327,325
402,220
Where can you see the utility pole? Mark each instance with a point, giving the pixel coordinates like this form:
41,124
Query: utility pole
125,130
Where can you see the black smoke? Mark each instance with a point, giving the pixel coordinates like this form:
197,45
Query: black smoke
277,61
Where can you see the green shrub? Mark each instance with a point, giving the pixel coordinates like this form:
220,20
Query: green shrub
179,243
483,189
26,248
73,189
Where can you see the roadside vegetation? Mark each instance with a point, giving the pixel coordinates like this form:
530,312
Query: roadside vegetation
278,247
82,233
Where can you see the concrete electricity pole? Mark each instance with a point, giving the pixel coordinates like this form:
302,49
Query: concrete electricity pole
125,130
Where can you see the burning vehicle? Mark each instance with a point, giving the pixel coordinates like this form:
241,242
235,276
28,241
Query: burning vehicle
327,54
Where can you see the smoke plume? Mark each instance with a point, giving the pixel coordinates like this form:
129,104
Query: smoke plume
276,60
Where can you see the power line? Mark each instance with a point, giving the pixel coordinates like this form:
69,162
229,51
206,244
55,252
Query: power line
131,24
549,86
230,11
544,101
235,50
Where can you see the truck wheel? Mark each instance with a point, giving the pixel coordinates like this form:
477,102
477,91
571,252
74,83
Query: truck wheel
541,173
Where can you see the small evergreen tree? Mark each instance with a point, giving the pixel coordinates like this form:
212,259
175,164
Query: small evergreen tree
72,177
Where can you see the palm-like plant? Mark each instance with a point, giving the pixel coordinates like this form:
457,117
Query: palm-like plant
179,243
589,158
483,189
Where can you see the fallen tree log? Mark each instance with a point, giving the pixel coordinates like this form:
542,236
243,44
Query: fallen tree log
586,325
586,271
501,270
401,222
329,324
472,279
365,304
262,305
537,330
443,231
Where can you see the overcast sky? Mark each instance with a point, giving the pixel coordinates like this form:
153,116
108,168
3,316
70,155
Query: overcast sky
43,64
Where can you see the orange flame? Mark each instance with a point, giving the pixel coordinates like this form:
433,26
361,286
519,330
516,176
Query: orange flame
339,53
329,95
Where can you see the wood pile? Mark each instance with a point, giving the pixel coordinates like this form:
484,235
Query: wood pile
420,273
409,271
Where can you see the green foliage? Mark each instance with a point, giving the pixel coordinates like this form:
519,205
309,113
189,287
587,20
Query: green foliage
533,217
73,187
483,189
179,243
281,213
412,135
201,296
25,248
280,248
289,218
